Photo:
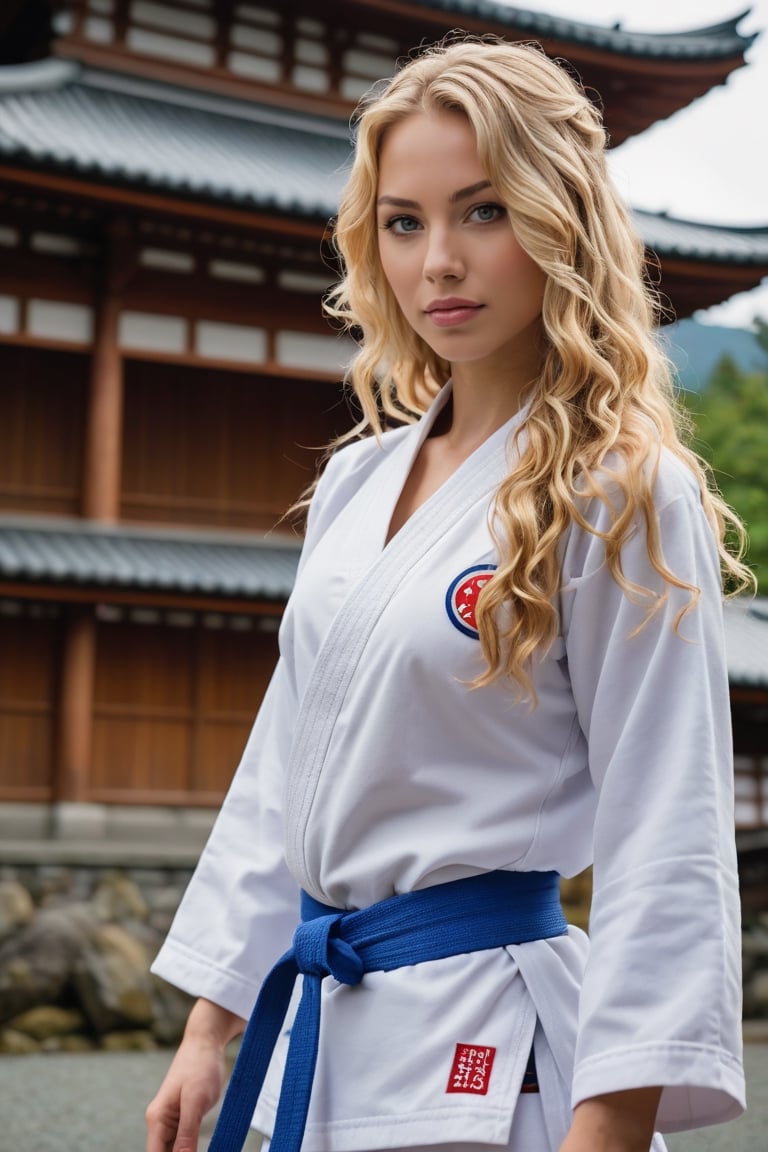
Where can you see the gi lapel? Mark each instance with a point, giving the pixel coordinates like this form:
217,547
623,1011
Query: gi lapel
350,631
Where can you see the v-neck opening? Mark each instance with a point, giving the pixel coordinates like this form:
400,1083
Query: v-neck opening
426,424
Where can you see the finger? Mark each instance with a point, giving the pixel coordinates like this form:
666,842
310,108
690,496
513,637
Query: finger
162,1128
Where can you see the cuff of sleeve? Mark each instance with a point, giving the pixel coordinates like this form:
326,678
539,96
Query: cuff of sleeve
199,977
702,1085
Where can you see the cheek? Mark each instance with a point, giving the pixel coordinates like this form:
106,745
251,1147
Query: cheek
523,274
398,275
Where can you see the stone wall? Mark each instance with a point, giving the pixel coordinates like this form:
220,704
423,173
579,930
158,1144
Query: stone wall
75,948
76,943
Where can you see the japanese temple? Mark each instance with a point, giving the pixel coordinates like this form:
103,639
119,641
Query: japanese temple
167,380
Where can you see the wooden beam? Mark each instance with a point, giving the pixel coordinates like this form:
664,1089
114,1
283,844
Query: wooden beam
104,428
75,742
156,598
166,204
217,80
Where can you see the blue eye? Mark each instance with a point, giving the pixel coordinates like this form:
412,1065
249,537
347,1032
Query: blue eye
401,225
486,213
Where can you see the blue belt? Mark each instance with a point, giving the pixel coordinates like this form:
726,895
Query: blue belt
485,911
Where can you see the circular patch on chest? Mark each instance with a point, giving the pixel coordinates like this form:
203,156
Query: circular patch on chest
462,594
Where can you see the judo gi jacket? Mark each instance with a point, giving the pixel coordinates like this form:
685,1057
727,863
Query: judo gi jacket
375,768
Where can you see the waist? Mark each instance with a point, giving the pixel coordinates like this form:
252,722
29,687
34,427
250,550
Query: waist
483,911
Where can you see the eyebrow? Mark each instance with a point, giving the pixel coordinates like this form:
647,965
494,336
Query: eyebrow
455,197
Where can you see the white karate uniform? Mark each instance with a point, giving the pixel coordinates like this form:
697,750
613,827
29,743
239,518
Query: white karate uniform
375,768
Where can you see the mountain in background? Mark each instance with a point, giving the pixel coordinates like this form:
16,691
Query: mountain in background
696,348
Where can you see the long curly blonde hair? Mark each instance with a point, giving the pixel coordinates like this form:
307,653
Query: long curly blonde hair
604,386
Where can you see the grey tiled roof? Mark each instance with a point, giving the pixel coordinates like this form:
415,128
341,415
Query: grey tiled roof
201,563
672,237
220,565
746,638
716,41
146,134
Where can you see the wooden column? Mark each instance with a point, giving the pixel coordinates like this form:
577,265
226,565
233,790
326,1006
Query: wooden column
104,432
75,744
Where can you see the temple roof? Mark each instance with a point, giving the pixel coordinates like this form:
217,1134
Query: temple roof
57,115
36,551
641,77
715,41
84,554
746,639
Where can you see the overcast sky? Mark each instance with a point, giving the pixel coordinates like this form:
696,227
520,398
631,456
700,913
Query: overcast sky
709,161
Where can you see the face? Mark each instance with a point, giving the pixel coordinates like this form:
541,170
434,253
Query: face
448,250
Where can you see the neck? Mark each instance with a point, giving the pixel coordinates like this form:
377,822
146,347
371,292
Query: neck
487,393
478,408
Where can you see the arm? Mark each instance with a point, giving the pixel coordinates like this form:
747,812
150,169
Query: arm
660,1002
615,1122
194,1080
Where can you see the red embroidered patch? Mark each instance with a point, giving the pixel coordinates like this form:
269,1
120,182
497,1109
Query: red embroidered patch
462,595
471,1070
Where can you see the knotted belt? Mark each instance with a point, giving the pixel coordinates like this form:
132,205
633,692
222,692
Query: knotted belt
485,911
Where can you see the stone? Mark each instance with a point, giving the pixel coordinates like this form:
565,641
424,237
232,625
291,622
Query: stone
76,1042
37,961
48,1020
137,1040
111,978
171,1009
758,993
16,906
755,943
14,1043
118,898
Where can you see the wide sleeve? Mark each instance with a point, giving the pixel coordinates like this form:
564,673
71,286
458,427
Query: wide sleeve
661,999
241,906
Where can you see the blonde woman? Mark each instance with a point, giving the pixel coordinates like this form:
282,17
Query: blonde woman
502,661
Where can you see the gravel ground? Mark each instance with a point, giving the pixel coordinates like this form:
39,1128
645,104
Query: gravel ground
95,1103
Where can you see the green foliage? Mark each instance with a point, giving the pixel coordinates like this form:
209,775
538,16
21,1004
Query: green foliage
731,420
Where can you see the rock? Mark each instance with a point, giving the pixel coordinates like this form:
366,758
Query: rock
111,977
755,943
118,898
758,993
74,1043
171,1009
37,961
48,1020
14,1043
137,1040
16,906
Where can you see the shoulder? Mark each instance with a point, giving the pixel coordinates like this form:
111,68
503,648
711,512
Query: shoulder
350,466
357,459
676,508
667,476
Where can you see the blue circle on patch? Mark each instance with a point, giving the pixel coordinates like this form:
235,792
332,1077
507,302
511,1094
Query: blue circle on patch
462,595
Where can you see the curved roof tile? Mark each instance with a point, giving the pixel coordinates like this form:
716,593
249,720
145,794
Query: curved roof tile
716,41
221,565
143,133
203,563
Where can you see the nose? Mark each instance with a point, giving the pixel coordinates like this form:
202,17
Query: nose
444,257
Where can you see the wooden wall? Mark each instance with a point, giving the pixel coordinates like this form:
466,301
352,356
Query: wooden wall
29,680
173,708
175,696
216,448
43,403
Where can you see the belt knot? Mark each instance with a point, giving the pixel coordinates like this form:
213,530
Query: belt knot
319,950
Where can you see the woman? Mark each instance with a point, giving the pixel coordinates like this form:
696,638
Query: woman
503,659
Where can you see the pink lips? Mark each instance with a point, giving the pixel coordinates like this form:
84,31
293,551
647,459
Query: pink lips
451,311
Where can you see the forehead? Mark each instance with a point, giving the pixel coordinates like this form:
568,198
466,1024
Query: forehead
437,144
